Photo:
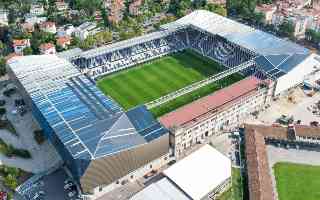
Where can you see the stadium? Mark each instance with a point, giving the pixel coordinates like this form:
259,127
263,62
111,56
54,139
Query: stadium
99,107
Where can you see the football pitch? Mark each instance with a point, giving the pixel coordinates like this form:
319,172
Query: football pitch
297,181
156,78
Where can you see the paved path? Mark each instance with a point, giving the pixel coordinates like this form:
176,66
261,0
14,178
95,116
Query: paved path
44,156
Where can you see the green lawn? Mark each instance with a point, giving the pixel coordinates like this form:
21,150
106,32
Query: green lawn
159,77
297,182
234,192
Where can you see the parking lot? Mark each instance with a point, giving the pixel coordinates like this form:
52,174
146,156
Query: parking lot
54,186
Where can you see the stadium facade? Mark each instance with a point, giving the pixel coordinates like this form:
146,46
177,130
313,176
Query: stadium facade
219,112
101,143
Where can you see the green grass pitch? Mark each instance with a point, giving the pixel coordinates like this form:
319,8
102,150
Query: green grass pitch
151,80
297,181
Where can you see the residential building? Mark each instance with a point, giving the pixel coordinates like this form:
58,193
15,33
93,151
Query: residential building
36,9
61,5
20,45
33,19
135,7
300,24
217,113
4,17
27,27
49,27
66,30
47,48
267,10
86,29
115,9
64,41
219,2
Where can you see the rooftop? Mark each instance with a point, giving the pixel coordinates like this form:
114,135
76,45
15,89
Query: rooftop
259,177
201,172
88,123
209,103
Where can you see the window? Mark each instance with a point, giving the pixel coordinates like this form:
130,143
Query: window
100,188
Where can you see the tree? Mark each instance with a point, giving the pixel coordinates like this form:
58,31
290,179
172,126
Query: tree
88,6
219,9
104,16
313,36
286,29
27,51
88,43
103,37
2,66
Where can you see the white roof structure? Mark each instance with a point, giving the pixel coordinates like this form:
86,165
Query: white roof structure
161,190
201,172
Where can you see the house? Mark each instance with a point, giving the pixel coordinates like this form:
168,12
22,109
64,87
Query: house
49,27
66,30
86,29
47,48
135,7
33,19
27,27
61,5
4,17
300,23
267,10
219,2
36,9
98,15
20,45
64,41
8,57
115,9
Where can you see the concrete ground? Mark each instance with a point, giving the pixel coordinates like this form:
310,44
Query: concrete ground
44,156
298,108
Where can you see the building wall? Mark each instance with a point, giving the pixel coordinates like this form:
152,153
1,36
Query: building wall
224,119
297,75
106,170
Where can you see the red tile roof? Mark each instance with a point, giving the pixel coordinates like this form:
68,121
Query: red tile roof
63,40
22,42
46,46
47,24
259,177
209,103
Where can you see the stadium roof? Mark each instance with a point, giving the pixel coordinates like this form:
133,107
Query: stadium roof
87,122
201,172
211,102
161,190
275,55
124,44
243,35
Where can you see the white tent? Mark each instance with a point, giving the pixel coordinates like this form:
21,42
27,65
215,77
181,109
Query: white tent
201,172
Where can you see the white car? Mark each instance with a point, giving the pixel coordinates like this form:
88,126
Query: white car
71,194
67,186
